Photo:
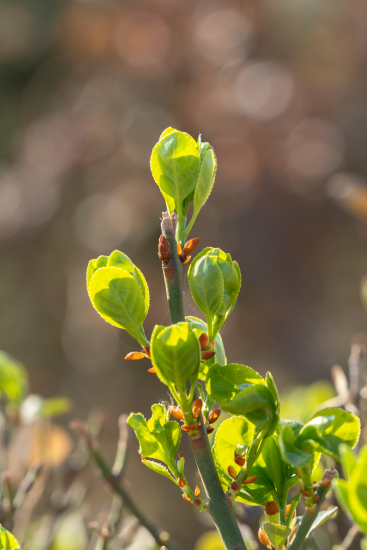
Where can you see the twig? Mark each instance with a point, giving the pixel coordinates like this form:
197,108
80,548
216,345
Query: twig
122,448
82,430
26,485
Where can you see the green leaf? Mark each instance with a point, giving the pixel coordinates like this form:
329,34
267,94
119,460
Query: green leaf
93,265
322,517
328,429
13,378
175,165
242,391
206,178
118,298
7,540
232,432
176,354
199,327
159,438
159,469
348,460
291,454
207,286
277,534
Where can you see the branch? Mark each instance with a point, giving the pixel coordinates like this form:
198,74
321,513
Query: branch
310,514
220,508
82,430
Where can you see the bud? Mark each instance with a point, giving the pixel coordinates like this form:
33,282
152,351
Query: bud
263,537
147,351
152,370
204,340
232,472
316,499
180,454
205,355
176,412
249,480
239,460
196,407
189,428
181,482
271,508
241,450
197,501
209,429
134,355
184,258
197,491
179,249
164,249
305,493
191,245
293,533
324,482
185,497
213,415
235,486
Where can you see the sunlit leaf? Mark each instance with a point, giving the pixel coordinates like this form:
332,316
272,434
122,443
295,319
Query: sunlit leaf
13,378
277,534
199,327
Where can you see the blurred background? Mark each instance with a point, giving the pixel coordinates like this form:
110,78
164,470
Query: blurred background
279,88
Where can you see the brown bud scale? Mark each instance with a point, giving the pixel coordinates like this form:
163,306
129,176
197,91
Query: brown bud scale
176,412
249,480
197,491
305,493
134,355
180,454
152,370
185,497
196,407
316,499
209,429
232,472
263,537
147,351
189,428
197,501
181,482
205,355
271,508
239,460
204,341
235,486
214,415
324,482
164,249
191,245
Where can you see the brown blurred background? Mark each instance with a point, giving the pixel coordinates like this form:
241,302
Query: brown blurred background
279,88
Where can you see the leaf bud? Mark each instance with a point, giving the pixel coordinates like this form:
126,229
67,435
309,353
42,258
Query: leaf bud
249,480
232,472
164,249
271,508
239,460
203,340
213,415
305,493
181,482
191,245
197,491
184,258
316,499
324,482
147,351
235,486
152,370
263,537
196,407
185,497
197,501
189,428
209,429
293,532
180,454
134,355
176,412
241,450
205,355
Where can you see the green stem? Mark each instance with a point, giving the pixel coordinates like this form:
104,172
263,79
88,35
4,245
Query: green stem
311,514
220,508
294,503
180,231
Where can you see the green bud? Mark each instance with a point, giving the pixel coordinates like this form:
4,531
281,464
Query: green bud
241,450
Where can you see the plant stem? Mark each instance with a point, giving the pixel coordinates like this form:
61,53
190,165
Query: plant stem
81,428
220,508
311,514
172,273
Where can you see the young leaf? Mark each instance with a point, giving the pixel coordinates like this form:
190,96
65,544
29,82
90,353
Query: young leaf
93,265
159,469
322,517
277,534
175,165
199,327
13,378
7,540
159,438
118,298
291,454
240,390
176,354
232,432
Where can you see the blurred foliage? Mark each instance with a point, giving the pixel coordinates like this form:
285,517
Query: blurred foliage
301,402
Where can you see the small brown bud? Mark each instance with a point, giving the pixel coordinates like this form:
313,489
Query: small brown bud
184,258
316,499
189,428
180,454
134,355
249,480
205,355
324,482
213,415
197,491
147,351
305,493
235,486
179,249
263,537
191,245
152,370
232,472
164,249
176,412
209,429
203,340
181,482
294,531
239,460
197,501
196,407
271,508
185,497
